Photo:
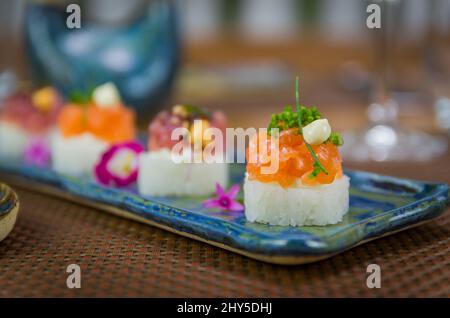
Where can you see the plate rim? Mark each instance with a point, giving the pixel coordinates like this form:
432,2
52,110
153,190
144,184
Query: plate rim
297,248
288,260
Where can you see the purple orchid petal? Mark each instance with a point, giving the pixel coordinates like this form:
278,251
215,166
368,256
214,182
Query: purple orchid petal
225,200
37,153
135,146
123,182
101,173
234,190
211,203
109,154
236,206
220,192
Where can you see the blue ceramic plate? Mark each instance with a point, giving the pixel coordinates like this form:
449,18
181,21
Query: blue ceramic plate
379,205
9,207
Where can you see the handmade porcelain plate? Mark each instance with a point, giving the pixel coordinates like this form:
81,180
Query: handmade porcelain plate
9,207
379,205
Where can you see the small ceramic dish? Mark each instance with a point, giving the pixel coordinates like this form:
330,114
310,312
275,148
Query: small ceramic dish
9,208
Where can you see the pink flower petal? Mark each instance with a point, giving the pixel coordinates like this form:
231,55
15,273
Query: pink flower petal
102,175
236,206
211,203
219,190
106,177
123,182
37,153
106,156
234,190
135,146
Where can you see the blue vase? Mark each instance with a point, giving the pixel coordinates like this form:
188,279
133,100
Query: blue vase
136,46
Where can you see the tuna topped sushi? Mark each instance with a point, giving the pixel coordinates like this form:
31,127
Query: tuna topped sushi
163,173
86,128
309,187
27,117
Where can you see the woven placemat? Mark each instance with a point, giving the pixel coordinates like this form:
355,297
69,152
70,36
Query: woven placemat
124,258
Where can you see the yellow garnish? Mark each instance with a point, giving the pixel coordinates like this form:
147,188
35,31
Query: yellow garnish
197,130
128,164
44,99
180,110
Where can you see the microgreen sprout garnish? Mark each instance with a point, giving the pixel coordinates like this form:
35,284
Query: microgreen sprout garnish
191,112
197,112
336,139
317,165
289,119
81,97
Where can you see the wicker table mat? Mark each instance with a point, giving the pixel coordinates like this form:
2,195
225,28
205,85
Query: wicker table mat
123,258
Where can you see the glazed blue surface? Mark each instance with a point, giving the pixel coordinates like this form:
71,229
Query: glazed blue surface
378,205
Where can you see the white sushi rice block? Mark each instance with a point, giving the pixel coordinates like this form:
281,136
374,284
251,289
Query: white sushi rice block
298,205
13,141
160,175
78,155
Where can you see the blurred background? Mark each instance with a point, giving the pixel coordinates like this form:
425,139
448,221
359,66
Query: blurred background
387,89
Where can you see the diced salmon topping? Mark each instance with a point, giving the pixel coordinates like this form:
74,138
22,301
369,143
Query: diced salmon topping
295,161
112,124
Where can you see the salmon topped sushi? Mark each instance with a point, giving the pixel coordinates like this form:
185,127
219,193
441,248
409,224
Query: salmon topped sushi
308,187
163,173
86,129
27,117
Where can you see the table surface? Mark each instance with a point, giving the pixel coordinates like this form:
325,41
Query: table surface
119,258
124,258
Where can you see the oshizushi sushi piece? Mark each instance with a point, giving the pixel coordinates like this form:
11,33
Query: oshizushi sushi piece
309,187
163,173
87,128
27,117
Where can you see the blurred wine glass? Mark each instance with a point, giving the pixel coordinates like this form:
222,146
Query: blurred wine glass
384,139
438,61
